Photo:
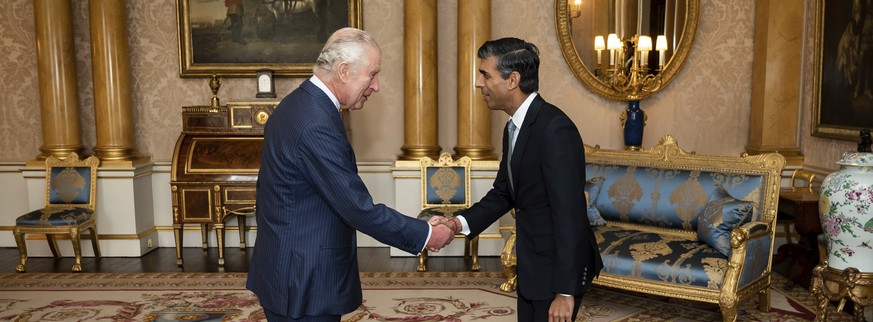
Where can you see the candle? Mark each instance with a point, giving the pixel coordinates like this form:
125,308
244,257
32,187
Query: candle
661,46
599,45
612,43
644,45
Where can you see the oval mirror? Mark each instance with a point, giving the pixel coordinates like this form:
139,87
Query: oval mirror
626,49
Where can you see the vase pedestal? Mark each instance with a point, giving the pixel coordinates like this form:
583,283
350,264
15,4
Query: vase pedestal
831,284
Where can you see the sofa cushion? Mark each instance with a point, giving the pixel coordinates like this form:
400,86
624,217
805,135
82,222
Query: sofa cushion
594,217
654,257
665,197
722,214
592,192
592,188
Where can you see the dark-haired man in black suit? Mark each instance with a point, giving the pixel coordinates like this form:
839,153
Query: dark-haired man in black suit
542,177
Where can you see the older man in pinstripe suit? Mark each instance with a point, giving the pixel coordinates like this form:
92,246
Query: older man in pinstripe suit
311,200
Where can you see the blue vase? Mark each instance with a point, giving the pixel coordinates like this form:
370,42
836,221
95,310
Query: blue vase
634,121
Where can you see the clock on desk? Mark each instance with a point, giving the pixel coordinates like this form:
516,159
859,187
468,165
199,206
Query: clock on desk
266,87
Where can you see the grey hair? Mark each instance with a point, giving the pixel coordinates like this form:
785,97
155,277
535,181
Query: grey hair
345,45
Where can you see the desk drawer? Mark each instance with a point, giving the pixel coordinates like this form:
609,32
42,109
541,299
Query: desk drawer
195,203
239,196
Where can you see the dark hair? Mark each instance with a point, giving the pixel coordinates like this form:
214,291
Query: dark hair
513,54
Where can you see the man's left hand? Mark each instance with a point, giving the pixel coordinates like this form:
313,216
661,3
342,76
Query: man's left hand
561,309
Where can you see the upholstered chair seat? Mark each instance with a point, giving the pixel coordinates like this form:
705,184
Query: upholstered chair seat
56,217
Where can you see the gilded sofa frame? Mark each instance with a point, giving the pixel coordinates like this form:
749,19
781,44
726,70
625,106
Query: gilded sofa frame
668,154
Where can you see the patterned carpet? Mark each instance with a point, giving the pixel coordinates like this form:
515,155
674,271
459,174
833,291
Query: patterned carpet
461,296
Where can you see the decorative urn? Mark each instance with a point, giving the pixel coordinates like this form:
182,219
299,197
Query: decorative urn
846,212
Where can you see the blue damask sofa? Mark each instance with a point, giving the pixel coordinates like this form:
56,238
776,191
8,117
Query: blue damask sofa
682,225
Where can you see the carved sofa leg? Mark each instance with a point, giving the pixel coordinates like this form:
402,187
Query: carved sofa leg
728,310
764,300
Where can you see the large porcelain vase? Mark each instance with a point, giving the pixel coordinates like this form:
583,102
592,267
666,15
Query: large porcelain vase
846,212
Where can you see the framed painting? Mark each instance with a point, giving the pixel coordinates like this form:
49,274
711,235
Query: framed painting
843,87
236,38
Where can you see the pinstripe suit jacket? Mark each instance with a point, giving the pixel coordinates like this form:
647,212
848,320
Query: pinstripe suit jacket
555,246
310,201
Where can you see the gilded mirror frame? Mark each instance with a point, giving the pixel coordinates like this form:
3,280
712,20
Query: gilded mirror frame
586,76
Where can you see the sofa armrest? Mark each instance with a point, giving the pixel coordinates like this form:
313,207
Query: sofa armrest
749,230
751,250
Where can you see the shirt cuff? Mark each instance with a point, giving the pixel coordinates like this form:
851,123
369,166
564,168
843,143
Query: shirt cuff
429,231
465,229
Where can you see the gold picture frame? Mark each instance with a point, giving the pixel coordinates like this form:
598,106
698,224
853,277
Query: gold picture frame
843,78
236,38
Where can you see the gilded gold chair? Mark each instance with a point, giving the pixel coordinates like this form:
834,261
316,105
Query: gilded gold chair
70,208
445,191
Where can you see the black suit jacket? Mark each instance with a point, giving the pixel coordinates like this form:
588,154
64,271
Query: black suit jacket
555,246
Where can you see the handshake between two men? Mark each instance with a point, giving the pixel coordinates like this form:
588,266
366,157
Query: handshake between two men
442,233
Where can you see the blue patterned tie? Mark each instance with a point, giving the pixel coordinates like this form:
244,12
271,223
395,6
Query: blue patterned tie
512,130
511,141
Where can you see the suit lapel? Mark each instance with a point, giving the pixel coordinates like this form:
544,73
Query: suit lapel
521,141
323,102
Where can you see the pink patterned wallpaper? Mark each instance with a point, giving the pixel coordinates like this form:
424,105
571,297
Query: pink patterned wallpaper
706,107
20,135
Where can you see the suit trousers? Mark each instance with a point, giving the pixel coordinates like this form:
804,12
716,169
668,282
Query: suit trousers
538,311
274,317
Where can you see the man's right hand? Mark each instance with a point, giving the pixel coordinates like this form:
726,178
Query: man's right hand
440,236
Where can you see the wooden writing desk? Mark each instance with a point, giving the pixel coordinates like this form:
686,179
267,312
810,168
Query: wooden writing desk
215,168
